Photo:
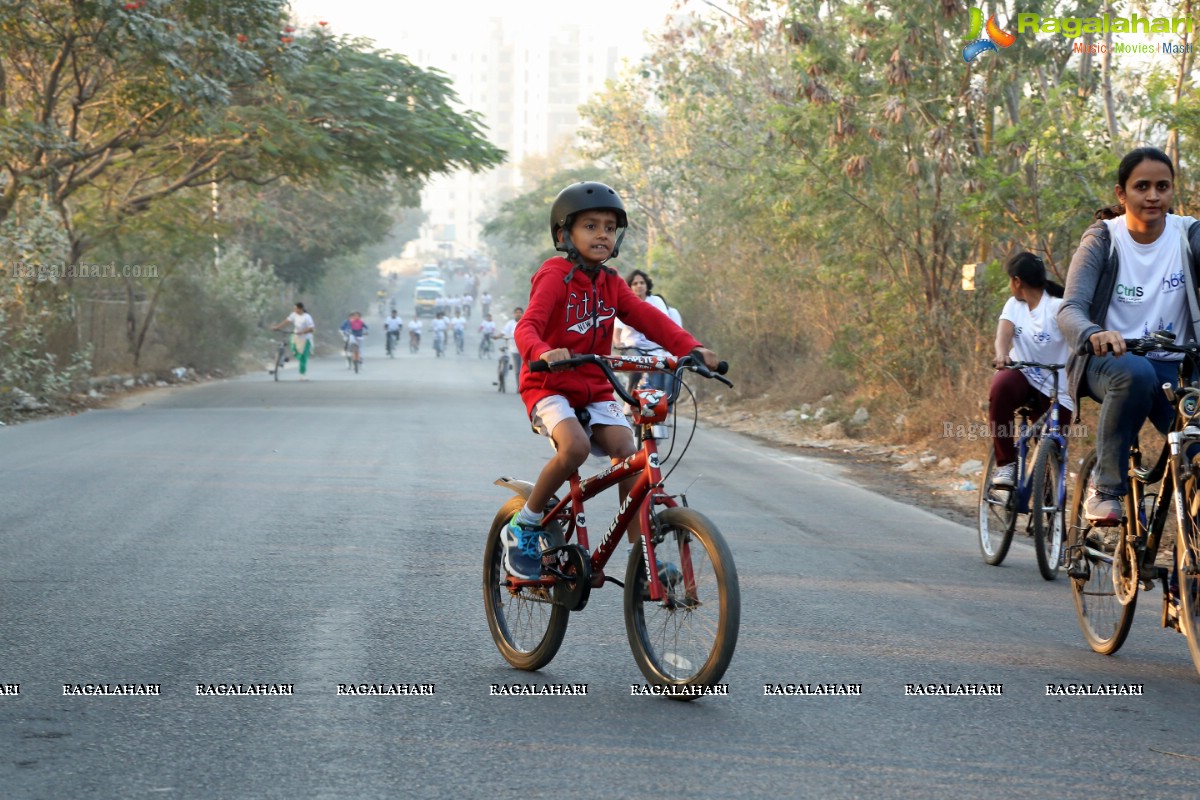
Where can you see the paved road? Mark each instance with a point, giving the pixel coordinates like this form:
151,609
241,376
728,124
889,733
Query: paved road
331,532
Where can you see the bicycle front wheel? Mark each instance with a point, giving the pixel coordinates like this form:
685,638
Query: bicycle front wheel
997,516
1049,521
501,375
526,625
280,358
688,637
1105,622
1187,564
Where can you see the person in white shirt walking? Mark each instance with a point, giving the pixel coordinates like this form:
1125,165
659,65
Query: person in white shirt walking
302,336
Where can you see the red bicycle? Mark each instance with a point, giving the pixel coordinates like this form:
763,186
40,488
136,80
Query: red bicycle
682,616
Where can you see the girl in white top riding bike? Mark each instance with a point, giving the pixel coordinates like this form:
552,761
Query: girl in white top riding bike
1027,331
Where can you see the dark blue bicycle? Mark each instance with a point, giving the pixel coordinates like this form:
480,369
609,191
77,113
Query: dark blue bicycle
1038,494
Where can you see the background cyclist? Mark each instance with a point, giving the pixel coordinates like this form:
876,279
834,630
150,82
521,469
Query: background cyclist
302,336
355,328
1027,331
393,324
509,333
633,341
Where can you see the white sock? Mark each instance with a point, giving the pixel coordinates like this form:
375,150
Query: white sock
528,518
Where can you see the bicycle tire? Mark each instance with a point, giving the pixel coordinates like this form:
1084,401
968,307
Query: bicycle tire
527,627
1049,519
1187,571
280,358
1104,621
997,518
501,375
656,630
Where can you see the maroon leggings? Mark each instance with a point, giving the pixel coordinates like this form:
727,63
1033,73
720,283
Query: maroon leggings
1009,391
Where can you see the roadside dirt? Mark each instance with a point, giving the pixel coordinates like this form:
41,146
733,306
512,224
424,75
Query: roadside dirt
912,475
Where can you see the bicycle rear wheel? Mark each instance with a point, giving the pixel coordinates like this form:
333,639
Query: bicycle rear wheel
1105,622
526,625
1187,563
688,638
997,516
1049,519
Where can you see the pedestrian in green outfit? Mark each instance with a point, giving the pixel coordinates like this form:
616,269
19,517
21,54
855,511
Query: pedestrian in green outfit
302,336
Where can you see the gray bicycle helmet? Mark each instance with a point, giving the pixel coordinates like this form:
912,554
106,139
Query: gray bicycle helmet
584,196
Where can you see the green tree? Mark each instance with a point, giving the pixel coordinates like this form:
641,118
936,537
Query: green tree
132,103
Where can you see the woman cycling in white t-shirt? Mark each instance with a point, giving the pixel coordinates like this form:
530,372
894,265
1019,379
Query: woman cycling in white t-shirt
631,341
1027,331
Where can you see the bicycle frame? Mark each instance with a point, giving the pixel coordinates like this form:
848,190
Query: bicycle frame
1173,468
1045,428
646,492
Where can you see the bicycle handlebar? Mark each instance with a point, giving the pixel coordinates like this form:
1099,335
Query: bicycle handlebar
1147,344
1024,364
688,362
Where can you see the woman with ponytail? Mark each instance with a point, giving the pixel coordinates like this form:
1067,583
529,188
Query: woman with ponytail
1133,274
1027,331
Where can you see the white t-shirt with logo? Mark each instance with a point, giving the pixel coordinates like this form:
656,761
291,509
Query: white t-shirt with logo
1149,293
1036,338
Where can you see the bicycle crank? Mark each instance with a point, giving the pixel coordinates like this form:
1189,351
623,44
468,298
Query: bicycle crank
572,567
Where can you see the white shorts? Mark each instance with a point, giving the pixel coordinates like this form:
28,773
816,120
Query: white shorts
552,410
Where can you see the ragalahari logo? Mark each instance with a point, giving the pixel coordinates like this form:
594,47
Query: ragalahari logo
995,36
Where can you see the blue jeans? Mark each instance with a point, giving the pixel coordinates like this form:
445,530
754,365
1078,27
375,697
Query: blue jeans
1129,390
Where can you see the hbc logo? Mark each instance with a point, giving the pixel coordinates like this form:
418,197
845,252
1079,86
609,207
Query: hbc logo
995,36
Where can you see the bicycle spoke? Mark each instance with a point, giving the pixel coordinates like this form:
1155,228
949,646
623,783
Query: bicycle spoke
1103,619
684,638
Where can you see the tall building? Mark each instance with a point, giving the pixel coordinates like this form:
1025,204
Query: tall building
527,83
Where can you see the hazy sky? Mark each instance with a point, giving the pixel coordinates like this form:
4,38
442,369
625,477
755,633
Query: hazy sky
437,21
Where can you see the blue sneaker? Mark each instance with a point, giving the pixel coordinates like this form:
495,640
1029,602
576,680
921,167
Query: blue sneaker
669,574
522,550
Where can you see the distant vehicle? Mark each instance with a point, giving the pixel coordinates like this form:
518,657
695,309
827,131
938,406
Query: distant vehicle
425,299
431,271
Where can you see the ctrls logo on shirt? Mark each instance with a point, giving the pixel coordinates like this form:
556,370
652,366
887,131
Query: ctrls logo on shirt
995,36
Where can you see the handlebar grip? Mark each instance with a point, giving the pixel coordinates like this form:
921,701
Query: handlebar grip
722,367
539,366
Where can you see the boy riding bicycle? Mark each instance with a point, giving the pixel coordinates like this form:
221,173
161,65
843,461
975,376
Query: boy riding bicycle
573,305
354,329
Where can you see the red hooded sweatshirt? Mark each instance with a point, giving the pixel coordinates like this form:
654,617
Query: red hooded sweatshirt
579,313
